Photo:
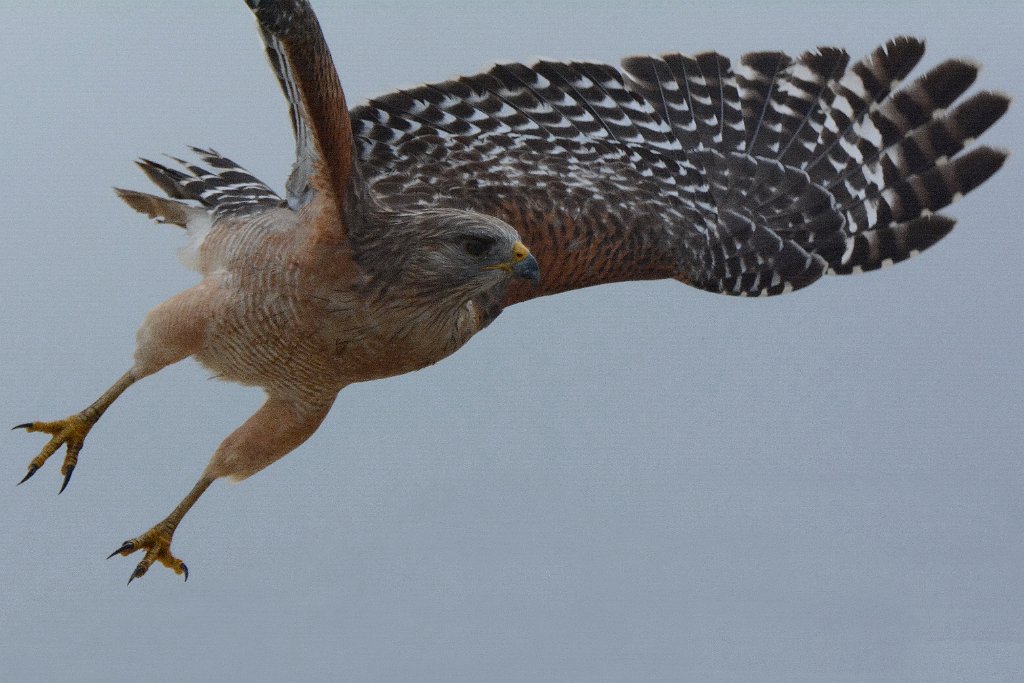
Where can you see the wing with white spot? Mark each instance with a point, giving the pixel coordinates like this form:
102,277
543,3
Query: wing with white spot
750,181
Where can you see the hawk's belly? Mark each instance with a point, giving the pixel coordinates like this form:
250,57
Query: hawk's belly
305,345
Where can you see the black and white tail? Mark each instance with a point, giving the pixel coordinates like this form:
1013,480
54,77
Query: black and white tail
226,190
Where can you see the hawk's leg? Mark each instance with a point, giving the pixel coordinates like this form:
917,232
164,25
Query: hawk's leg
172,331
157,541
71,431
273,431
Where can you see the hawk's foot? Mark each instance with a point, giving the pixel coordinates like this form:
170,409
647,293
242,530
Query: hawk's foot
71,432
157,544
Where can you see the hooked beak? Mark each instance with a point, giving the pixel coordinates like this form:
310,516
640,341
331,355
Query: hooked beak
527,269
521,265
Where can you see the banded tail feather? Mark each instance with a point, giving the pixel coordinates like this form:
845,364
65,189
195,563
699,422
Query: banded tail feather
225,189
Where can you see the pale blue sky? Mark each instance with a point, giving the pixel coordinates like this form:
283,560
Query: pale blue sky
634,482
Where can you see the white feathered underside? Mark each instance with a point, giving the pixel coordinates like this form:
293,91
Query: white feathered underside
197,229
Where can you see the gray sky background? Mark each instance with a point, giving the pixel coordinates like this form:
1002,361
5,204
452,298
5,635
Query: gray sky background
633,482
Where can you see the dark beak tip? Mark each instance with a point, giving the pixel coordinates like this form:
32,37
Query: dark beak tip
528,269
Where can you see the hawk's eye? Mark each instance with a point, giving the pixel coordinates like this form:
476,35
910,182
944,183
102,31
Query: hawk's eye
477,246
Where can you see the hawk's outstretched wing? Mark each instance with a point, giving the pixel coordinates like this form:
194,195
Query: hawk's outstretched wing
749,181
302,63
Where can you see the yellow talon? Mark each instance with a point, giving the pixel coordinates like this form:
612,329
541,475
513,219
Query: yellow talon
157,544
71,431
157,541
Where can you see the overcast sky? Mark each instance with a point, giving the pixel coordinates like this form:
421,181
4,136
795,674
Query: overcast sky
638,482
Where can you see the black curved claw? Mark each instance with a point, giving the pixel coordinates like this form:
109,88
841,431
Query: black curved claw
32,469
22,426
140,571
184,568
125,547
67,478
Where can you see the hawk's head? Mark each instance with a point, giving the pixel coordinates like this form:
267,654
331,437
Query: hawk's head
446,253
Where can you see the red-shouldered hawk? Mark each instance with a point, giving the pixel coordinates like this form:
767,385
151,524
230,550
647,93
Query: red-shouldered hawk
410,222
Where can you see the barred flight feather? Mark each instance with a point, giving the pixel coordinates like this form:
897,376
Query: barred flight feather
830,158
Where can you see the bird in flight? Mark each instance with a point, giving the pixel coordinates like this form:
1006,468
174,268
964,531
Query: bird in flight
410,222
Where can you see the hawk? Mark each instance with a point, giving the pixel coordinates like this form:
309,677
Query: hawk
409,223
